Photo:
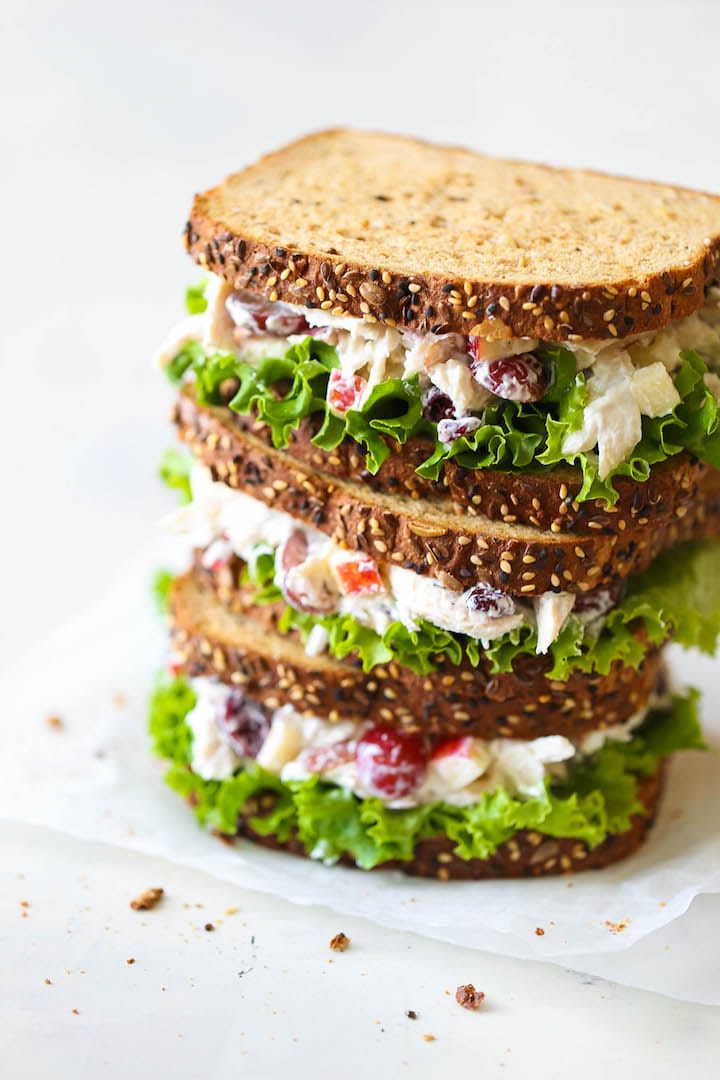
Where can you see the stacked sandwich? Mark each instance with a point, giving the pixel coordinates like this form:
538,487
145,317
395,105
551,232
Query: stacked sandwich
452,427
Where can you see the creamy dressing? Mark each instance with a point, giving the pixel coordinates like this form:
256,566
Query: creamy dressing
473,767
221,522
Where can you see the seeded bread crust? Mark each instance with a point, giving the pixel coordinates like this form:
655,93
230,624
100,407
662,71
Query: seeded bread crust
527,854
541,500
555,254
428,537
242,648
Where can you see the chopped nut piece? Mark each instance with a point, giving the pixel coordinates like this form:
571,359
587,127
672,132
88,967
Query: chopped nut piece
469,997
411,1014
339,943
539,931
130,960
147,900
209,927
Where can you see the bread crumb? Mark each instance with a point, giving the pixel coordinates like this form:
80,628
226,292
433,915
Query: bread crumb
76,1012
24,903
48,982
469,997
539,931
340,942
411,1014
55,722
130,960
147,900
429,1038
119,699
209,927
617,927
232,910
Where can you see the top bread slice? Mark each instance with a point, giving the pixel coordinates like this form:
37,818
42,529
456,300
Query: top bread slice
434,237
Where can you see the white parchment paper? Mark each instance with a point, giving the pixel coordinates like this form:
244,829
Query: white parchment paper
94,778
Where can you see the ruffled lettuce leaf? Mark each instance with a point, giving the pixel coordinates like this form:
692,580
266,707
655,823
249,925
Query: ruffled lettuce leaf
678,596
174,471
195,300
284,390
597,798
161,585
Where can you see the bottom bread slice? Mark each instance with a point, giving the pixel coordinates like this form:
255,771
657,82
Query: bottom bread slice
526,854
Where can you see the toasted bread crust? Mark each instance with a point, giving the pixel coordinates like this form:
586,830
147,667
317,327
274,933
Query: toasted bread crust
526,854
241,647
428,537
544,500
547,301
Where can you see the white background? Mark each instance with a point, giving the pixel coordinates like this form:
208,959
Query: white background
112,116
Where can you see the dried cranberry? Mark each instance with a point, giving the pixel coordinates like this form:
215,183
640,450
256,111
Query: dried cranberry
593,604
292,554
244,723
514,378
437,406
390,763
450,430
489,600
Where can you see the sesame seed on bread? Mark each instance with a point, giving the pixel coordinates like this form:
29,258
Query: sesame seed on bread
526,854
428,535
240,646
393,229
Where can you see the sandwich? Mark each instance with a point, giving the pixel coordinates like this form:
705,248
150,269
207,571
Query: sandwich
449,481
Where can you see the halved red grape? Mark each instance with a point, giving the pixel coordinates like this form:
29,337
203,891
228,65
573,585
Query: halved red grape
391,763
264,317
513,378
290,556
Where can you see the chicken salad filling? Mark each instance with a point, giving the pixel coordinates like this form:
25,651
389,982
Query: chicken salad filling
612,408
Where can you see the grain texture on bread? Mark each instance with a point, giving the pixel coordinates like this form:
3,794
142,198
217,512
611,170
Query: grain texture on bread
526,854
242,648
393,229
544,500
427,536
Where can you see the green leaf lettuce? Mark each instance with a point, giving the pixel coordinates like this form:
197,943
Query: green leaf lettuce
598,797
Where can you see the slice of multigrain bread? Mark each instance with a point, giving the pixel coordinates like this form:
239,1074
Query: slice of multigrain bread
428,535
545,500
243,648
393,229
526,854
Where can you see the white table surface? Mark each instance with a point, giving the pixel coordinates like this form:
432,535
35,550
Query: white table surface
113,115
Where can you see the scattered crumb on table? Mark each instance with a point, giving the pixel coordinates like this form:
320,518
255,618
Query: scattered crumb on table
469,997
340,942
147,900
